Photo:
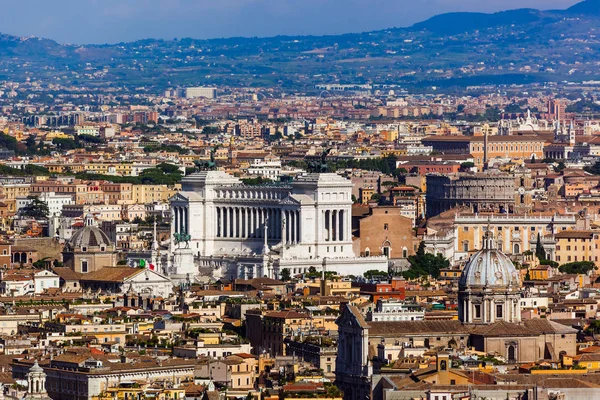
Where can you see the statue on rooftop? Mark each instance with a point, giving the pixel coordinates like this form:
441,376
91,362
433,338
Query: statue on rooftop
321,166
204,165
182,238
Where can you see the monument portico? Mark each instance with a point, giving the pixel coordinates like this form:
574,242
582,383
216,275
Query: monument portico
299,224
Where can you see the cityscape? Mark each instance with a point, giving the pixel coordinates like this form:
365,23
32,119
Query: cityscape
409,213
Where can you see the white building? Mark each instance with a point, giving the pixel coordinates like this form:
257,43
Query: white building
28,283
44,280
267,169
252,231
55,202
396,311
206,92
217,351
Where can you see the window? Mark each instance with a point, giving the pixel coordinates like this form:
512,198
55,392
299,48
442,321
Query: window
477,311
84,266
386,226
499,310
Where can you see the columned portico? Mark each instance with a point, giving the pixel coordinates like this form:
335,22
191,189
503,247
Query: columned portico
308,220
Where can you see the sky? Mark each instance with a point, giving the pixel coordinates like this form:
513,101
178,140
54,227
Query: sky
113,21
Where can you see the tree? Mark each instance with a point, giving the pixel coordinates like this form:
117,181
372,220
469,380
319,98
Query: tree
398,172
65,143
594,169
285,275
425,264
539,248
578,267
467,165
210,130
41,264
370,274
559,167
36,208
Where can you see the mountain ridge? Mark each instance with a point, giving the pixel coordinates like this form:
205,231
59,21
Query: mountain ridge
523,45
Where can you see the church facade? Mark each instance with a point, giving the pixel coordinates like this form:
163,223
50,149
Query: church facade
489,321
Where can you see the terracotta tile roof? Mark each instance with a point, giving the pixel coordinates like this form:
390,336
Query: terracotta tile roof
358,315
67,273
547,326
574,235
111,274
398,328
503,328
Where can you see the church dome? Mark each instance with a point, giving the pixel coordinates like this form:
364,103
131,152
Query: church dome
89,236
490,268
35,368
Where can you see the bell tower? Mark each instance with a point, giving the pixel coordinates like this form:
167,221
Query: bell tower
36,384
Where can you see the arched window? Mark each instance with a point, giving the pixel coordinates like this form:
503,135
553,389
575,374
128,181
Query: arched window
367,252
443,365
516,248
512,353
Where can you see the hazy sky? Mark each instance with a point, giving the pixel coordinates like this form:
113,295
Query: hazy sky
110,21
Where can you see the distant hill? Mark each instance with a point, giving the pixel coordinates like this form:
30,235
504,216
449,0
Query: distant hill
587,7
453,23
455,49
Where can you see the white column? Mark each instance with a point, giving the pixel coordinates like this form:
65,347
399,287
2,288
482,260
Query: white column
175,219
296,222
291,227
330,236
186,213
299,228
270,222
228,222
341,234
336,218
251,222
245,231
348,230
276,229
261,219
222,227
180,220
235,221
283,227
288,232
257,223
